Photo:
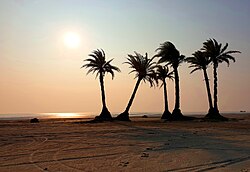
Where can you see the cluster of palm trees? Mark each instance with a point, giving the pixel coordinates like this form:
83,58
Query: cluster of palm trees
148,70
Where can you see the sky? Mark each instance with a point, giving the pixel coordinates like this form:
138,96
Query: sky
40,74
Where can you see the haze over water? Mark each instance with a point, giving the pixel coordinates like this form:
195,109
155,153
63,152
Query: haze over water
19,116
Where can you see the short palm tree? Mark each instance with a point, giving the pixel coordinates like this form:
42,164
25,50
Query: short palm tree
218,54
144,71
199,61
163,73
169,54
97,64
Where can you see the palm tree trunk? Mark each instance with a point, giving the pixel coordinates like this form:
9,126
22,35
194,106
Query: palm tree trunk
125,115
215,114
133,95
177,89
177,112
102,90
105,114
165,95
215,88
166,114
208,90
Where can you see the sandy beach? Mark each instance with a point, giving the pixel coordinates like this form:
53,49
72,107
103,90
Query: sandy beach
145,144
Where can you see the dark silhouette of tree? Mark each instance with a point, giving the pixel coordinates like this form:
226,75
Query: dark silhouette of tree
163,73
144,71
98,64
199,61
218,54
169,54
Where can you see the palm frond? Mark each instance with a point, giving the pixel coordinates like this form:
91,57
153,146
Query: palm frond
198,61
142,66
168,53
162,73
97,64
224,48
214,50
195,69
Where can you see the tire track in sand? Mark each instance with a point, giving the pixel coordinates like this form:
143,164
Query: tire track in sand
33,153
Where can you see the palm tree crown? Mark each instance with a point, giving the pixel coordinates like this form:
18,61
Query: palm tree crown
99,64
142,66
169,54
163,72
199,61
218,54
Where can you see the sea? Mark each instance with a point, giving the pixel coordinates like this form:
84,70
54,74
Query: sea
20,116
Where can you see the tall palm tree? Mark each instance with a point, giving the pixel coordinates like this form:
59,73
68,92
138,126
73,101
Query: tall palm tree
169,54
97,64
199,61
218,54
163,73
144,71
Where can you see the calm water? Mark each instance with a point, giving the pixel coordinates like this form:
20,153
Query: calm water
45,115
61,115
19,116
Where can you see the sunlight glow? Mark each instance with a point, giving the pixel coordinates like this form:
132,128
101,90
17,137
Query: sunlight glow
67,115
64,115
72,40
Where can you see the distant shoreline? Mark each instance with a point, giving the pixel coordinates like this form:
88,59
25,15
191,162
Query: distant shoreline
27,116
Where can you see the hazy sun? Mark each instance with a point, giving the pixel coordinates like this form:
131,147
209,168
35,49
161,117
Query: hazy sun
72,40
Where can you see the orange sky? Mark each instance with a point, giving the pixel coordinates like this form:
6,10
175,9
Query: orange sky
40,74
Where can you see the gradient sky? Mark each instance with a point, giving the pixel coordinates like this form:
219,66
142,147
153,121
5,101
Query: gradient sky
39,73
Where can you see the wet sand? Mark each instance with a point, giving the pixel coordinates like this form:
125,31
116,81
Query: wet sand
145,144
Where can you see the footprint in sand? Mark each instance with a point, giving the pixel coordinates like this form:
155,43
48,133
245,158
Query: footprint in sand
124,164
195,132
151,133
145,155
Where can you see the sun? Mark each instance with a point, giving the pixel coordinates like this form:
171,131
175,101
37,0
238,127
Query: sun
71,40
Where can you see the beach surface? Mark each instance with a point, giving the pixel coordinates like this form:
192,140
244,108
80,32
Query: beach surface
145,144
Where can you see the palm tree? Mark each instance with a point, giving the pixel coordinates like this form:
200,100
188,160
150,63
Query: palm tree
218,55
200,61
169,54
98,64
163,73
144,71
